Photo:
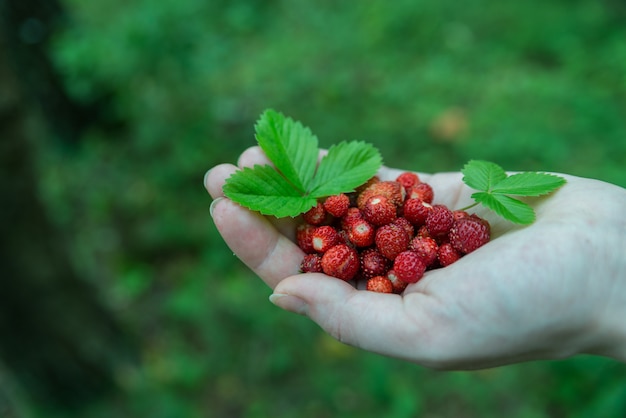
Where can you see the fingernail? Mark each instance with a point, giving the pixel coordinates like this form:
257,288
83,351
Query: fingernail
289,303
213,204
205,178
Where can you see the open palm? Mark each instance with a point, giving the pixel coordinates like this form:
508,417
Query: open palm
549,290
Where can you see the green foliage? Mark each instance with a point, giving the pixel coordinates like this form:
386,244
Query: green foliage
532,86
495,186
295,182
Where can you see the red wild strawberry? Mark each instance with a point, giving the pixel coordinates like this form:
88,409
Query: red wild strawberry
468,234
408,179
481,220
360,233
379,284
312,263
439,220
324,237
337,205
342,237
379,211
341,261
392,190
459,214
351,214
422,191
426,248
404,223
447,254
316,215
373,263
367,184
304,237
391,240
409,266
423,232
416,211
398,285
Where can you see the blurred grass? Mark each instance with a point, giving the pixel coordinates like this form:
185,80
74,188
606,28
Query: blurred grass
529,85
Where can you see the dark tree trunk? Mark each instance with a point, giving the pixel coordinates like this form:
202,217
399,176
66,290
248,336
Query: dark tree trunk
27,26
57,339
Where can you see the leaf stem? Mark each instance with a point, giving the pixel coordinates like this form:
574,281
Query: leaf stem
470,206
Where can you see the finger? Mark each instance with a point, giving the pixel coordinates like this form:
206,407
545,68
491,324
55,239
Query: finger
465,316
255,156
215,178
381,323
252,156
257,243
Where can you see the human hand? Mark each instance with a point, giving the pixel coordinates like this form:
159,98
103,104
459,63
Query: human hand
550,290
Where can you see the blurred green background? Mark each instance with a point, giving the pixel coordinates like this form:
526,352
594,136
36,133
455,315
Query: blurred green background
166,89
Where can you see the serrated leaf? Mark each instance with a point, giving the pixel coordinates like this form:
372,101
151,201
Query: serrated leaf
509,208
263,189
482,175
345,167
528,184
290,146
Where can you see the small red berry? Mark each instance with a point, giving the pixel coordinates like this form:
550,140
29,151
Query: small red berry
351,214
422,191
459,214
481,220
312,263
404,223
304,237
392,190
324,237
408,179
317,215
372,180
379,211
426,248
391,240
373,263
341,261
439,220
447,254
337,205
398,285
379,284
409,266
468,234
423,232
342,238
360,233
416,211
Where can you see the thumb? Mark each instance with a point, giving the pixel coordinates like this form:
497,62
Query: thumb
377,322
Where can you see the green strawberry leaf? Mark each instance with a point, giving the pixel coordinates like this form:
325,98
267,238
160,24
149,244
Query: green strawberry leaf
295,182
495,185
509,208
482,175
528,184
263,189
290,146
345,167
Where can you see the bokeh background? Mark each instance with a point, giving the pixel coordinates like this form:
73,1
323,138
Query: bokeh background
119,299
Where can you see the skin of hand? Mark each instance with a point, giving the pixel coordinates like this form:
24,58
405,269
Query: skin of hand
549,290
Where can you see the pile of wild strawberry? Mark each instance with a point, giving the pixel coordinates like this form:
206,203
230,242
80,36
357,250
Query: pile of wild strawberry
388,233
